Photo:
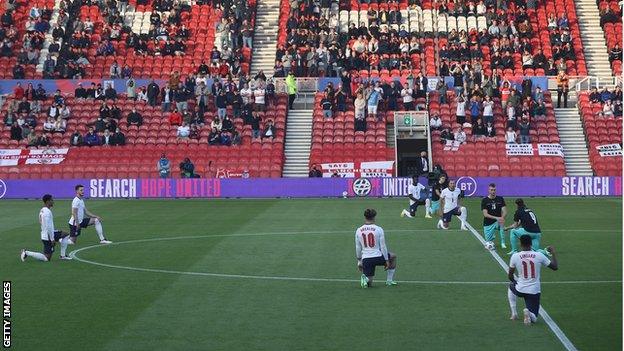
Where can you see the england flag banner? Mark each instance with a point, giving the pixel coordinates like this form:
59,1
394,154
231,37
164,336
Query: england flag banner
372,169
519,149
550,150
609,150
15,157
452,145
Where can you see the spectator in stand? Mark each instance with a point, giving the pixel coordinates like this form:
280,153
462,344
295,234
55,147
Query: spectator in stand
511,116
216,124
605,95
562,89
422,165
360,106
131,89
214,138
460,110
16,132
269,130
341,100
617,94
460,136
221,104
270,92
539,110
152,93
373,102
315,172
291,86
617,108
175,118
435,123
44,140
490,132
107,138
255,125
615,53
187,169
134,118
607,109
91,139
525,128
446,135
259,94
475,110
119,139
488,109
442,88
75,139
110,93
164,166
326,105
114,70
183,131
478,131
408,100
360,123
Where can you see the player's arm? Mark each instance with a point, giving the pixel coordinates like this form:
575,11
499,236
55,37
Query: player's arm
516,222
47,221
553,259
358,248
440,210
511,274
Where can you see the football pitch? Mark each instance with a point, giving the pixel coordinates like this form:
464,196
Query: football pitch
281,275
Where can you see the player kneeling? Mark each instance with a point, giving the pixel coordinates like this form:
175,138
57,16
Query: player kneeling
371,251
49,236
528,264
451,206
415,196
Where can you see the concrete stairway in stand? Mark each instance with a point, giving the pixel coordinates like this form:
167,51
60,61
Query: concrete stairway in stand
298,143
592,36
572,139
265,37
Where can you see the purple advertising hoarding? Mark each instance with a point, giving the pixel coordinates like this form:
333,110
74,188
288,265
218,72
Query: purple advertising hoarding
300,187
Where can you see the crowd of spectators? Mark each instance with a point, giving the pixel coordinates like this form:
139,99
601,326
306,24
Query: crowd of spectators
611,101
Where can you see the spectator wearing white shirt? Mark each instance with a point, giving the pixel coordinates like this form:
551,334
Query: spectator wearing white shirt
510,136
460,136
435,123
607,109
460,111
488,110
183,131
246,94
259,94
408,100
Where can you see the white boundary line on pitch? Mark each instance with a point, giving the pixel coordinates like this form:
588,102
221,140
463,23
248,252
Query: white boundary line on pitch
74,253
551,323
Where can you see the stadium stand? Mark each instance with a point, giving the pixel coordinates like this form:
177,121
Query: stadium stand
601,113
261,156
611,22
391,40
150,39
486,155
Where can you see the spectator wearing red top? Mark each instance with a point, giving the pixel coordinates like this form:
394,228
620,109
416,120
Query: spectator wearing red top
18,91
175,118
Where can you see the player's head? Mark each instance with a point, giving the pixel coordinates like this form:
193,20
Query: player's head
520,203
451,185
48,200
414,179
442,179
492,189
370,214
526,242
79,190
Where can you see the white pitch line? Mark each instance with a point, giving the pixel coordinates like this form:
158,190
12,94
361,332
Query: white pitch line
551,323
74,255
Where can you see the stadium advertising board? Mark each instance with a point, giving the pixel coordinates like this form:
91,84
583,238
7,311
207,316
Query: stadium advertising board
300,187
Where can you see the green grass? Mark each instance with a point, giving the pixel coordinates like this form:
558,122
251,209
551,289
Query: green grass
79,306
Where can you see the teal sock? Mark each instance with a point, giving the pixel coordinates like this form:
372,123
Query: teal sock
512,240
502,235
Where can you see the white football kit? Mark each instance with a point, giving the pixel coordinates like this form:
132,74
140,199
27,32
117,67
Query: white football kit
47,224
415,191
370,242
78,204
451,199
528,265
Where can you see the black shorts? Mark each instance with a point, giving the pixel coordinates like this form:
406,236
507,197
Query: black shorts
446,218
413,207
369,264
532,301
73,231
48,247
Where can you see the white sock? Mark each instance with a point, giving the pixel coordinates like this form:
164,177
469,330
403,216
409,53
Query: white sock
98,229
533,317
463,215
440,223
390,276
428,206
512,302
64,243
36,255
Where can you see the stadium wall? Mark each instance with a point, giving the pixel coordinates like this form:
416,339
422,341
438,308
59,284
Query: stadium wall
300,187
